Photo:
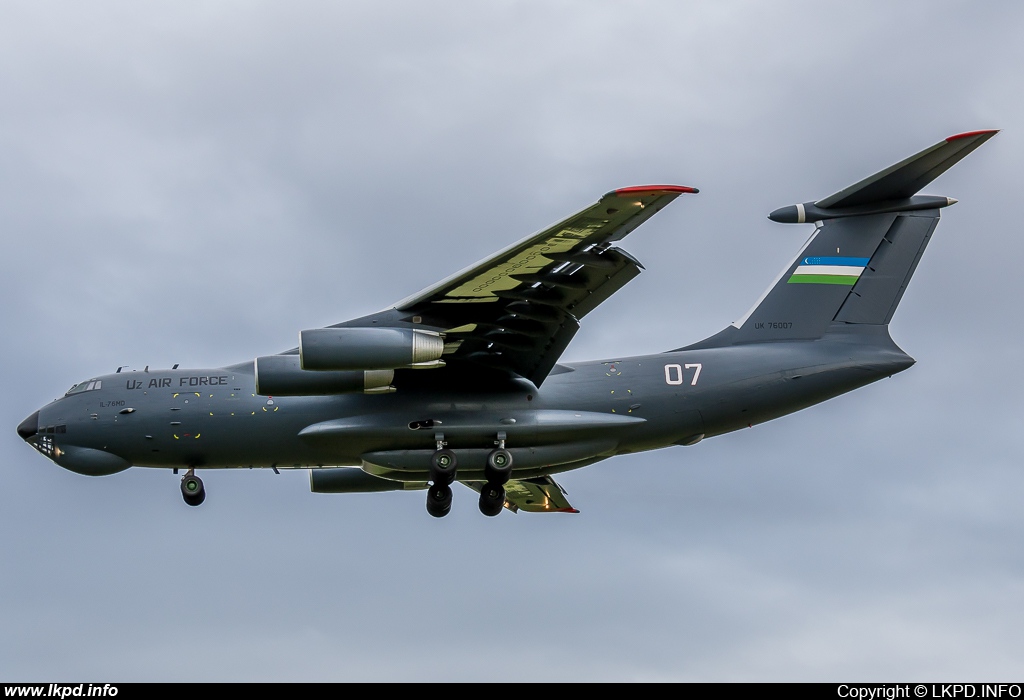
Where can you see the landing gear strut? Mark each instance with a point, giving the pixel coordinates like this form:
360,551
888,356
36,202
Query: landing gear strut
192,489
443,466
443,469
497,472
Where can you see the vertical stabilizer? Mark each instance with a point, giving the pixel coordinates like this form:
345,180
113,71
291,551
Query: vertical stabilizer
867,242
809,293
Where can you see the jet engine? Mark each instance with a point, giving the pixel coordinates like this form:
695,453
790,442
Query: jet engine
282,375
369,348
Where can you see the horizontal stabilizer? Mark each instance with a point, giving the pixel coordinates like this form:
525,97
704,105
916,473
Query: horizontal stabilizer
908,177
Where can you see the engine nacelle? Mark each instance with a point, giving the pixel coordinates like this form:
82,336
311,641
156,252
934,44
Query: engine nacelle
282,375
369,348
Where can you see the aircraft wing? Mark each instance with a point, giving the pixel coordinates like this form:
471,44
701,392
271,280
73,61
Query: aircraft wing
518,309
536,495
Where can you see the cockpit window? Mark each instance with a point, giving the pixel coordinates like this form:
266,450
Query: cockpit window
90,385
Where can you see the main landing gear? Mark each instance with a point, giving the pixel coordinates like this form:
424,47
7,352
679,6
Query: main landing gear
192,489
443,467
497,472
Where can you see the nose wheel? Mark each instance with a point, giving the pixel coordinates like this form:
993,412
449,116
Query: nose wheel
192,489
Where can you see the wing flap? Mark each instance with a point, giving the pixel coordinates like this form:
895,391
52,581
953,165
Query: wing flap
536,495
610,219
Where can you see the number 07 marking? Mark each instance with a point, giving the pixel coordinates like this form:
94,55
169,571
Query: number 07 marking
674,373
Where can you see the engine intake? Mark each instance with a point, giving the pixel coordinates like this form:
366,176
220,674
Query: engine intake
369,348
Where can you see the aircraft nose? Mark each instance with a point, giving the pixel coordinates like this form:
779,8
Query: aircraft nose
29,427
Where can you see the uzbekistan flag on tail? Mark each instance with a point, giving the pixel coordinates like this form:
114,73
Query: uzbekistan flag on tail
828,270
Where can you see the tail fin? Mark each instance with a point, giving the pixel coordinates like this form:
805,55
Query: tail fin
865,247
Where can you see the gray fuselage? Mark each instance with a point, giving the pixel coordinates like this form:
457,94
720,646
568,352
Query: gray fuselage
212,418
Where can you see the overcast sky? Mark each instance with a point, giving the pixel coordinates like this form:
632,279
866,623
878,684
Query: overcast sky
195,182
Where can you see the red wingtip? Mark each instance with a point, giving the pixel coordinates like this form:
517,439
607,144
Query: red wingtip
656,189
566,510
972,133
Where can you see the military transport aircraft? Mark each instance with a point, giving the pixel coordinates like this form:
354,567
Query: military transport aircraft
461,382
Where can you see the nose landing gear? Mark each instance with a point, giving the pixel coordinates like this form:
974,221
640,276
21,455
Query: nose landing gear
192,489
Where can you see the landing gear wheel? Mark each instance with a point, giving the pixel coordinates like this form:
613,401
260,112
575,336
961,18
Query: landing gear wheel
499,466
492,499
439,500
192,489
442,467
